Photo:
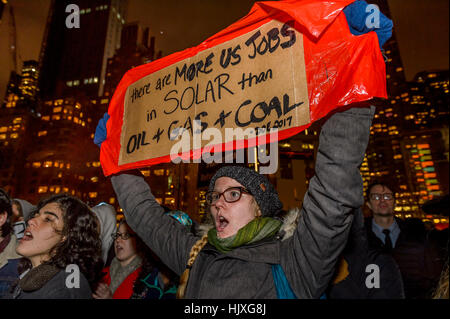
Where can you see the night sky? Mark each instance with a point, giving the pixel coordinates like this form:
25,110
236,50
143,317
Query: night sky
422,28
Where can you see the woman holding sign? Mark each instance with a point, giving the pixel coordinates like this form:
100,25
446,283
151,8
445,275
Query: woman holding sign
248,254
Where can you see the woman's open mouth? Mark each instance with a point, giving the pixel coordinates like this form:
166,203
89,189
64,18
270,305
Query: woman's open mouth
27,236
221,223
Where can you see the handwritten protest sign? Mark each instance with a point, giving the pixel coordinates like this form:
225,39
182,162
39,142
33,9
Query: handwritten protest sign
255,80
284,65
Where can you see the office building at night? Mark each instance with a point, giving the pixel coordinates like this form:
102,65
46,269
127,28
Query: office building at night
409,135
75,59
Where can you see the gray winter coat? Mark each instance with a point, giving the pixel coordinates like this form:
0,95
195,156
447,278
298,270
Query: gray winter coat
308,257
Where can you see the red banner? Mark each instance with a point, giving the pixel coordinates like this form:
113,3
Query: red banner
286,64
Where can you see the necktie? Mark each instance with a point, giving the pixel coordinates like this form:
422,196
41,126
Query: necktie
387,240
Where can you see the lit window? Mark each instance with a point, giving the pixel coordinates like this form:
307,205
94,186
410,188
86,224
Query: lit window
146,172
42,189
94,179
57,109
93,194
96,164
36,164
42,133
2,136
48,164
68,165
69,83
158,172
45,118
14,135
17,120
65,189
81,178
3,129
112,200
56,117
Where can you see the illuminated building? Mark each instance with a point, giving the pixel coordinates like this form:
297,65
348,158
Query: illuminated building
75,59
59,161
415,113
17,119
29,80
12,91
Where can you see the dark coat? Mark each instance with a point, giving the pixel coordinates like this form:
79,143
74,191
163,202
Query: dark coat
417,258
356,268
56,288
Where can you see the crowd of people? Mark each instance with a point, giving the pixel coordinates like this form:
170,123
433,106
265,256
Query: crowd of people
252,249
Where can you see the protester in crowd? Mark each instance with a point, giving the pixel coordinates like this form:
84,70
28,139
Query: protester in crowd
243,256
132,272
364,272
106,215
21,210
9,259
235,259
61,246
417,258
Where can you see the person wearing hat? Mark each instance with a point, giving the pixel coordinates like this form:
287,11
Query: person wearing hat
106,216
245,254
21,210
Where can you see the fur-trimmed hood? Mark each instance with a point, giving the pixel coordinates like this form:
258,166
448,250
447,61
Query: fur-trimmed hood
289,219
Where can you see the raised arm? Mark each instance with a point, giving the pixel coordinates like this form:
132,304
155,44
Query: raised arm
310,255
167,238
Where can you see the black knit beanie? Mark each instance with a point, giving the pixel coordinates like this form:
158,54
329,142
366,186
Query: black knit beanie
258,185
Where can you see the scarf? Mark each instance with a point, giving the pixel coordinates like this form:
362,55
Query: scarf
37,277
119,273
256,230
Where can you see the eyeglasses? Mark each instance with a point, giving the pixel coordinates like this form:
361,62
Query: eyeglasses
231,195
386,196
124,236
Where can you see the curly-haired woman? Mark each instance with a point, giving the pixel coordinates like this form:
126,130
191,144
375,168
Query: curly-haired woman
62,232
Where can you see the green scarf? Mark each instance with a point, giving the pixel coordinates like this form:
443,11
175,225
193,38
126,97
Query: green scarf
257,229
